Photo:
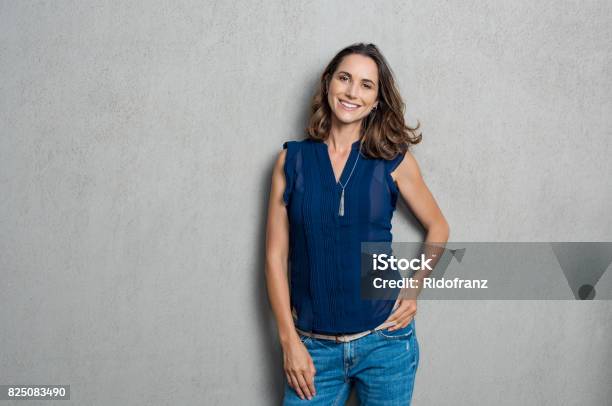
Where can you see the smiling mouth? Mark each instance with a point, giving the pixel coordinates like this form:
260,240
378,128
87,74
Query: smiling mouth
348,106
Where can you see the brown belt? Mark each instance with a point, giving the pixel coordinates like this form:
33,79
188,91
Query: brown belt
344,338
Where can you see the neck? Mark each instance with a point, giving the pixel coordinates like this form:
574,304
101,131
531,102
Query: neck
342,136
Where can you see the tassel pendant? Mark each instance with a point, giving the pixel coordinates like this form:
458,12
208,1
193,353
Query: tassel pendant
341,211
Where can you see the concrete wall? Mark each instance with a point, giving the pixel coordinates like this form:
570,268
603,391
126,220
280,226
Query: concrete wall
136,147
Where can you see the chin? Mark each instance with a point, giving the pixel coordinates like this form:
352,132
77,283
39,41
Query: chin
346,119
341,119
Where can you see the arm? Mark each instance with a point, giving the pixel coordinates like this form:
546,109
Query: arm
419,199
298,364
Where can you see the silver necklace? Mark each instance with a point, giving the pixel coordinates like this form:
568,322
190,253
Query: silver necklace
341,209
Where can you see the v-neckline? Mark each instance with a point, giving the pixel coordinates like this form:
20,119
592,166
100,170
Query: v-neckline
351,157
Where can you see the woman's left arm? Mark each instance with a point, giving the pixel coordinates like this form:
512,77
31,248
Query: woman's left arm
417,196
419,199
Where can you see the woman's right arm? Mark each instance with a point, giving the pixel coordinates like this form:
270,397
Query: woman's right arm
298,364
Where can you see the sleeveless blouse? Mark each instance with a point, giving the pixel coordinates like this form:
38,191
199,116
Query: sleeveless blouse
324,247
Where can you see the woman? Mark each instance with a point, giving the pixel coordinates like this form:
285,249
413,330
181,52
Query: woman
329,193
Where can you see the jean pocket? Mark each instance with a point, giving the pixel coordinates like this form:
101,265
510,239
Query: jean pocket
402,333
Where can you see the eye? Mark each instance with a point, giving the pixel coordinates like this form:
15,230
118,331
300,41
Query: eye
342,77
367,85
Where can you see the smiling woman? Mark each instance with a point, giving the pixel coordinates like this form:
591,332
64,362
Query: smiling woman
330,192
358,86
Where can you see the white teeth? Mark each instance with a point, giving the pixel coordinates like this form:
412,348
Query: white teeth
348,105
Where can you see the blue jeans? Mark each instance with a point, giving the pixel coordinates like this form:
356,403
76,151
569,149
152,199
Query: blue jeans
381,365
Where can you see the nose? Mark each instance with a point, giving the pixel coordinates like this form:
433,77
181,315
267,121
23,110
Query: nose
352,89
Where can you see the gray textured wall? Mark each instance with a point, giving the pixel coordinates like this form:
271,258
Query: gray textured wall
136,148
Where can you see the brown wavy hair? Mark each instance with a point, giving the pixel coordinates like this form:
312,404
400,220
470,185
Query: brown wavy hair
384,131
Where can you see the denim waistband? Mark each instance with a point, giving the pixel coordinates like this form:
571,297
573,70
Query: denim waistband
344,337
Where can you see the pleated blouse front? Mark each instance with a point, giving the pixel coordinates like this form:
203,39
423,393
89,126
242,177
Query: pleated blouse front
324,247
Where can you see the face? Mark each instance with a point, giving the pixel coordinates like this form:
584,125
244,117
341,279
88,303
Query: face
353,88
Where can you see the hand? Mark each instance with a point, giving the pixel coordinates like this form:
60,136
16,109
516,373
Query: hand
299,369
403,315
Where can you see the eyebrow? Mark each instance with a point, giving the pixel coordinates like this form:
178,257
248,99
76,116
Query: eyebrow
363,80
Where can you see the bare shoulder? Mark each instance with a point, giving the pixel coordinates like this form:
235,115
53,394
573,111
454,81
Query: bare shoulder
408,168
280,159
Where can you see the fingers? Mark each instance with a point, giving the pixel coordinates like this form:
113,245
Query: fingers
290,381
401,323
304,386
403,315
294,383
310,379
402,306
303,382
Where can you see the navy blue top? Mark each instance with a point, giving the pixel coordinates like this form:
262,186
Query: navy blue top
325,248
